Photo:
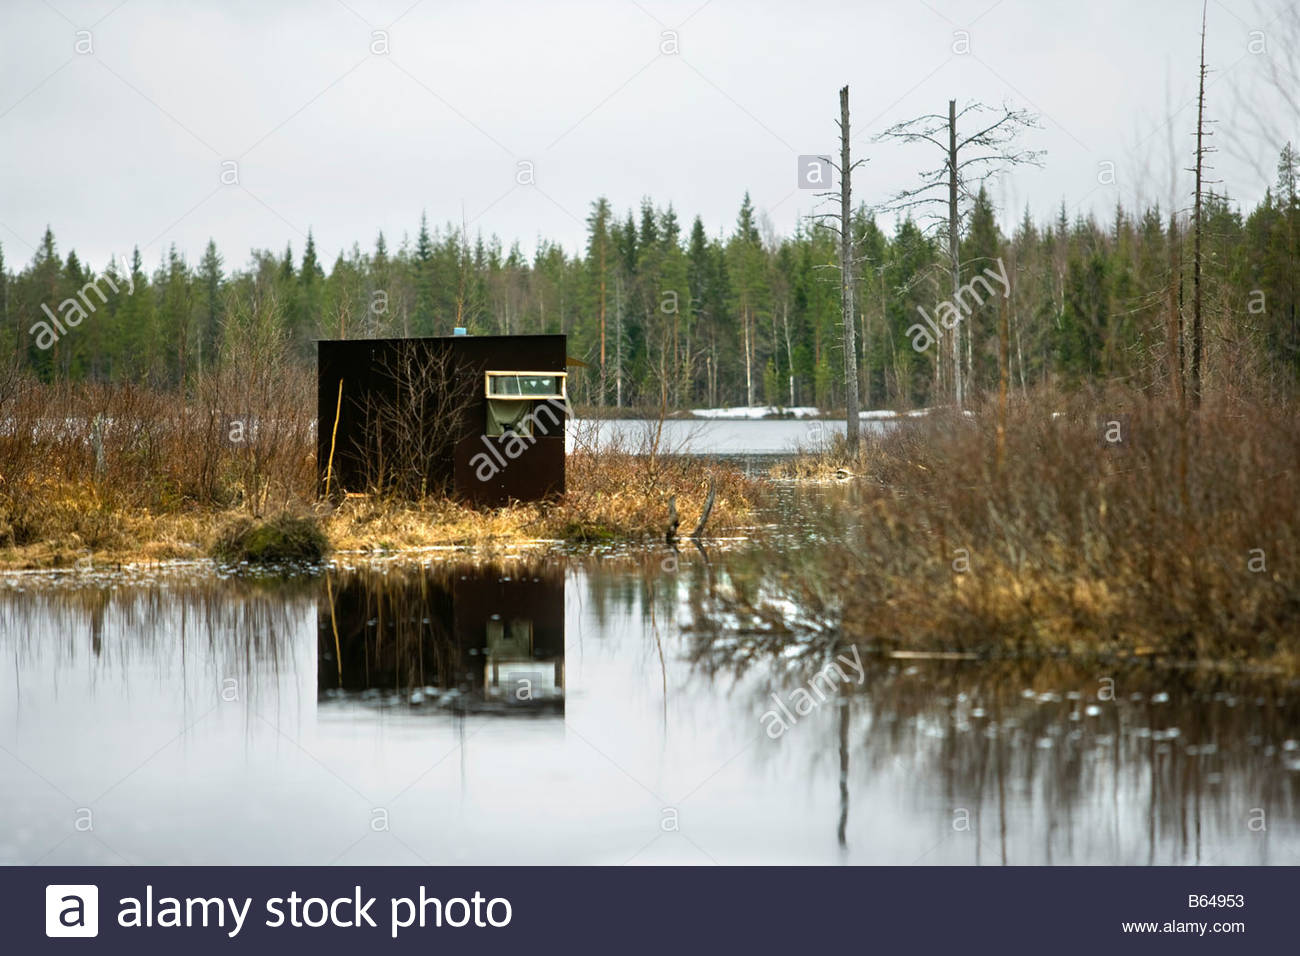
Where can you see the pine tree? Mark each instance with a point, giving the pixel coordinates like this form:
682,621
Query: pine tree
980,250
746,267
43,287
425,319
137,360
210,276
311,293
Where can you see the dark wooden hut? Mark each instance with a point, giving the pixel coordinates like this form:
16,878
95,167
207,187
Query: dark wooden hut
478,417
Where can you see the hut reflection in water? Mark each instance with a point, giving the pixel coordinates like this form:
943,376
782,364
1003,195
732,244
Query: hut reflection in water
479,638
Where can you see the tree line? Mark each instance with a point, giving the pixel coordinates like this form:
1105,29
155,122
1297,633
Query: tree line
667,316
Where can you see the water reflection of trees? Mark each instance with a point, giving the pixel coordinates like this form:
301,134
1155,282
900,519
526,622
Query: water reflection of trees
1054,762
217,628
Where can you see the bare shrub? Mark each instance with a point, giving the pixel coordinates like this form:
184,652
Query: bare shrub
411,421
255,418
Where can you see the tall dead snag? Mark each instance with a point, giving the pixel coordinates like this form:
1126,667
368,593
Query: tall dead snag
841,225
1198,343
954,252
846,278
967,162
1003,363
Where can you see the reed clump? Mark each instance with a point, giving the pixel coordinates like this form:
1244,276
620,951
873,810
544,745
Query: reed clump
1179,540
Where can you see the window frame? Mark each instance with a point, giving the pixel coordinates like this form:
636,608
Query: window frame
560,396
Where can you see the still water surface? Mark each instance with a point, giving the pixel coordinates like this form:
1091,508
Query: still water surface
576,710
715,436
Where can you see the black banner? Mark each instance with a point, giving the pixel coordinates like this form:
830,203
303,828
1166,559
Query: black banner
649,910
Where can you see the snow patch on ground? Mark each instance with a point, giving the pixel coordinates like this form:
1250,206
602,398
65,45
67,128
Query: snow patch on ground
757,411
743,412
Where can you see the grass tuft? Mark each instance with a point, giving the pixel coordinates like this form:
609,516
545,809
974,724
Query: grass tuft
284,539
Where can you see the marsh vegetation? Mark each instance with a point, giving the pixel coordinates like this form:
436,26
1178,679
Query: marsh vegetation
1112,527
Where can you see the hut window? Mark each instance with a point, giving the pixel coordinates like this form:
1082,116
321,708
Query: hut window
509,418
513,386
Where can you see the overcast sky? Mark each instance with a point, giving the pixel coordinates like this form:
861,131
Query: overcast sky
685,101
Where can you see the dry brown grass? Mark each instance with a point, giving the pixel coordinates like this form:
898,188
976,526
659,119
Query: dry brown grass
1184,543
123,474
611,496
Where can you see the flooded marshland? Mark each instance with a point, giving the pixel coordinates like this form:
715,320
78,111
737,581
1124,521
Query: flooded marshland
592,708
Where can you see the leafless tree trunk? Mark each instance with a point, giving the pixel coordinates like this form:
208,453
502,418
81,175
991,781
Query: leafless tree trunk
1174,336
954,253
749,359
864,394
1173,320
1004,336
618,342
789,348
603,387
846,279
1197,327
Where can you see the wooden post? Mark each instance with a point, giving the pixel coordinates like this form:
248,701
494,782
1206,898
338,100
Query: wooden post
670,535
329,467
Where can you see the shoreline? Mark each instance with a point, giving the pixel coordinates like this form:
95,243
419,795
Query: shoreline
204,571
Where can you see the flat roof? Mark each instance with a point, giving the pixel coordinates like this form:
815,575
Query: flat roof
442,338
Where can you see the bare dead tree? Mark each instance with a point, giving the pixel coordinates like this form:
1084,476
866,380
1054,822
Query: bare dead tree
968,161
1004,363
1198,335
843,231
846,278
255,400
